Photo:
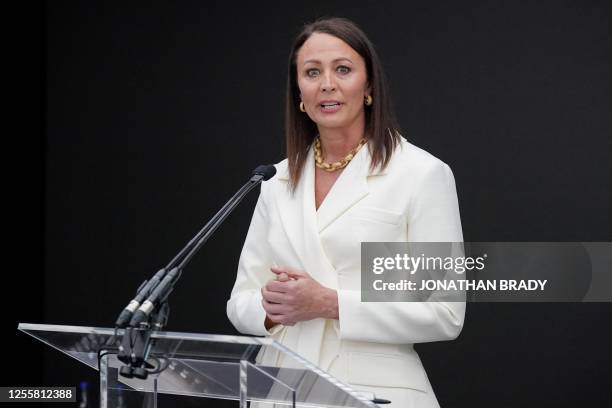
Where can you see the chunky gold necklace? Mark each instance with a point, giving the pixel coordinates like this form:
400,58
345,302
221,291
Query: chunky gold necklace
335,165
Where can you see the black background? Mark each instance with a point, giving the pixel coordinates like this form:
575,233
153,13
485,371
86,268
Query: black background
153,114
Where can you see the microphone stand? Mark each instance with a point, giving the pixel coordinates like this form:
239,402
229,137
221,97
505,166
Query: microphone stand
153,314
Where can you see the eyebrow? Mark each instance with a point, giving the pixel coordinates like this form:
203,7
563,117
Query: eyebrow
336,60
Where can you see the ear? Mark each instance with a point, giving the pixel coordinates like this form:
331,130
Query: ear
368,88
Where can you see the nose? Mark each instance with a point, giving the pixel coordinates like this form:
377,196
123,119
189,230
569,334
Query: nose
327,83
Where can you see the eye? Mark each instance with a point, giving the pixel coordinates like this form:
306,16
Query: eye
312,72
343,69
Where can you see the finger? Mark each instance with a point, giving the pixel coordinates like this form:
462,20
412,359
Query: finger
273,308
282,277
276,286
278,269
296,273
265,294
289,270
273,297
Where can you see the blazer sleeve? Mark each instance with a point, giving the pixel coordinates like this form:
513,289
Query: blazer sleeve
432,216
244,308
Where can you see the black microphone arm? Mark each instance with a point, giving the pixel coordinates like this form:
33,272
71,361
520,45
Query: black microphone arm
161,285
261,173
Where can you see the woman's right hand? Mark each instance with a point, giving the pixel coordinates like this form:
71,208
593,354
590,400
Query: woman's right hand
269,323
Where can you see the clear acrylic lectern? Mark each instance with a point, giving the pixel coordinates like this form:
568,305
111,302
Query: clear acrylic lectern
189,366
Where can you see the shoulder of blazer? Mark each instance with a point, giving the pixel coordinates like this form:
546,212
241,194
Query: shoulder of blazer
282,173
414,161
282,170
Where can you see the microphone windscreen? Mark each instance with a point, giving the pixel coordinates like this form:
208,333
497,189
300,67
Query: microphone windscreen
267,171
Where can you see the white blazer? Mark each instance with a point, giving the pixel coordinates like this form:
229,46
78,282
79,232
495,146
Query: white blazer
414,199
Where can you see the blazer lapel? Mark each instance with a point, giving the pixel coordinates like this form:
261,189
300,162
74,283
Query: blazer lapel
290,212
350,187
299,218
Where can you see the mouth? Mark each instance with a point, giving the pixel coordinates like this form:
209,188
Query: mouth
330,107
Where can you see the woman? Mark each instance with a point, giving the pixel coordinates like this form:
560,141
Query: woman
349,177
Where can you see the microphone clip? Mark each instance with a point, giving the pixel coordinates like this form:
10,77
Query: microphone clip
137,343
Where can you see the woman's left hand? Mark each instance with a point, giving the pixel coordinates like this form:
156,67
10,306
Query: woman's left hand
297,299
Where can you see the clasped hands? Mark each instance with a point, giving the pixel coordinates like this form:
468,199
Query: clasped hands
294,296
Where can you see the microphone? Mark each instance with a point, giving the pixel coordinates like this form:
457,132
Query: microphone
152,314
161,285
265,171
143,291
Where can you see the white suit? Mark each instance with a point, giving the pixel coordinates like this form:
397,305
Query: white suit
371,346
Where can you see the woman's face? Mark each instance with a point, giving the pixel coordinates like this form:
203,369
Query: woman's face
333,81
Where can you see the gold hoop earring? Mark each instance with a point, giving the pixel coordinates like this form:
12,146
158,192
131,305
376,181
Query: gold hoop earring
302,108
368,100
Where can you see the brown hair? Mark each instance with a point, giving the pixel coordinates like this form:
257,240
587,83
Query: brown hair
381,127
